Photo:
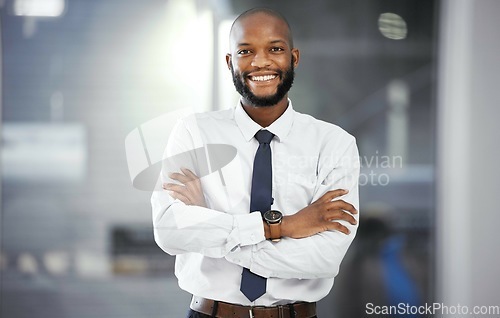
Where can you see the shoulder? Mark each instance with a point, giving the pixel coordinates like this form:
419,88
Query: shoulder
193,129
209,116
330,142
321,130
207,120
224,114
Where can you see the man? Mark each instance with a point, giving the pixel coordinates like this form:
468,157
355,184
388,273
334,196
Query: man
264,235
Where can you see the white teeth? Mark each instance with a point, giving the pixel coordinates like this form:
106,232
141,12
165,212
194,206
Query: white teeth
263,78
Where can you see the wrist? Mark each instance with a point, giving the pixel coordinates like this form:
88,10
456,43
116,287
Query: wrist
286,228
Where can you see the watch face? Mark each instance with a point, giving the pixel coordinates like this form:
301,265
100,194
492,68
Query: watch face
273,216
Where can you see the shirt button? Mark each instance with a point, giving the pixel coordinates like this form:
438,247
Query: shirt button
252,237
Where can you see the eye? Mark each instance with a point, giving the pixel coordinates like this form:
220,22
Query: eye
243,52
277,49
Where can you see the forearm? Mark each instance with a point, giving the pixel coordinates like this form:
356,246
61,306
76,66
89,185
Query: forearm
318,256
179,228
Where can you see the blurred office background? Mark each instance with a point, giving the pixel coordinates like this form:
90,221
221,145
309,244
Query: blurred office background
415,81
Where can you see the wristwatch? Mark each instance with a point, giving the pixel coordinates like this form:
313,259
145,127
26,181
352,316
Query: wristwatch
273,219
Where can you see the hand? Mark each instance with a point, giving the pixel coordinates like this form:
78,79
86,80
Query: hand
190,192
320,216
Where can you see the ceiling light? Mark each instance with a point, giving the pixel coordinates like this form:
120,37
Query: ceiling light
39,8
392,26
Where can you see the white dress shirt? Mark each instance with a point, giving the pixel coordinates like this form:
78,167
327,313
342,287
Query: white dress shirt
309,157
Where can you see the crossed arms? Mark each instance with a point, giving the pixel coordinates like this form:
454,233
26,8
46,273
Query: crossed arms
315,238
322,215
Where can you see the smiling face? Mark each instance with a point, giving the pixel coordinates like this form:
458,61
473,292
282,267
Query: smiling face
262,60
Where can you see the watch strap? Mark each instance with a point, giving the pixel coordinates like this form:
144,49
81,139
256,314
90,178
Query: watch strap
275,230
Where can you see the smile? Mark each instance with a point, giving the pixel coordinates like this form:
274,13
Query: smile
262,78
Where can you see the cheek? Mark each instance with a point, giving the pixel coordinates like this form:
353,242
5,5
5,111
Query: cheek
238,63
287,63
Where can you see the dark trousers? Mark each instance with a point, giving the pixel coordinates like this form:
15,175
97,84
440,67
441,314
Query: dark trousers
195,314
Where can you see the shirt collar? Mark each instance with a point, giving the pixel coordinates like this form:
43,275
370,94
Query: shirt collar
280,127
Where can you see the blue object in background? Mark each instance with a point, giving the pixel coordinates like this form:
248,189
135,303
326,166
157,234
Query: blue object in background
401,288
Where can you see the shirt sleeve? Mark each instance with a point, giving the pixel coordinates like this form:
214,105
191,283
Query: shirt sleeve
317,256
179,228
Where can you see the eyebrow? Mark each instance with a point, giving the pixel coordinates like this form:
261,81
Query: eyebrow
278,41
271,42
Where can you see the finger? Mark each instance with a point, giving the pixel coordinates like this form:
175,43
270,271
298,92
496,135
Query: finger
342,215
341,204
330,195
194,182
189,173
336,226
179,177
180,197
167,186
177,188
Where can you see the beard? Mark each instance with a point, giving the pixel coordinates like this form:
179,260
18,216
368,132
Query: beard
284,86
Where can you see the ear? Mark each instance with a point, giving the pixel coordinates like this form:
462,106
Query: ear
295,57
228,61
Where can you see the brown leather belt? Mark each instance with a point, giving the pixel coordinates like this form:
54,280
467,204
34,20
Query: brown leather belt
226,310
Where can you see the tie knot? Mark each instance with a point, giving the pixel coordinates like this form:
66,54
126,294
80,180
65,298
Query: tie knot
264,136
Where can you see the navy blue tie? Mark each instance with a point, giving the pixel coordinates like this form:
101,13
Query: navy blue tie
252,285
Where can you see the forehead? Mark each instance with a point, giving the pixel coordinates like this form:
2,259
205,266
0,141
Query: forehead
259,28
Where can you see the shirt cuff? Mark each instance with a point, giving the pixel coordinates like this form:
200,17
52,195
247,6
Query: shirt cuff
250,228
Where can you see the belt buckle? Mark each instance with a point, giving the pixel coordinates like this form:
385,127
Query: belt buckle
281,312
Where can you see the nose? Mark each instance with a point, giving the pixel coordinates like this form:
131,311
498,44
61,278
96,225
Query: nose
261,60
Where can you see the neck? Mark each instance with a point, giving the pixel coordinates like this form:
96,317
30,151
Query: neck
265,115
